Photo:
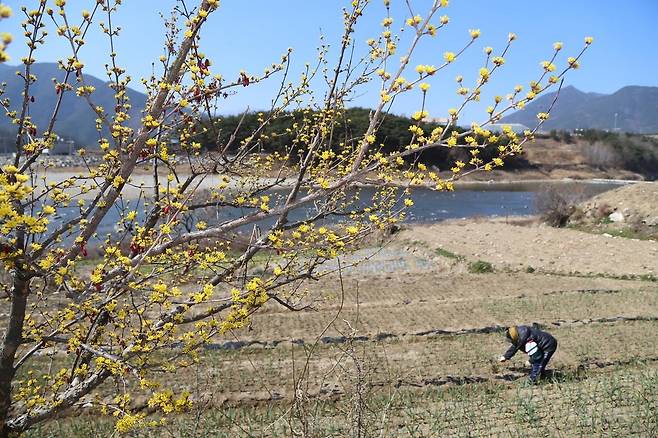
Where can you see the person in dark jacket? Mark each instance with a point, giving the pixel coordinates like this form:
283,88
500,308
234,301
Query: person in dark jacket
538,345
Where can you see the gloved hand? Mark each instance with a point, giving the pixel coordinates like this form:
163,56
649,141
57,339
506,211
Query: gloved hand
502,359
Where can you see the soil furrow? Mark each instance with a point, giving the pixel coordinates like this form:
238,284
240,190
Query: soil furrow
236,345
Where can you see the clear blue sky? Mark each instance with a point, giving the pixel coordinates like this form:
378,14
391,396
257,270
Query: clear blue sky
250,34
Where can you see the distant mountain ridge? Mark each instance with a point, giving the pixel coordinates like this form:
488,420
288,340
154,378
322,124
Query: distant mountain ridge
75,119
636,108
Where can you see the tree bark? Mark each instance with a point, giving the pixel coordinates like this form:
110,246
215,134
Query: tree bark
10,343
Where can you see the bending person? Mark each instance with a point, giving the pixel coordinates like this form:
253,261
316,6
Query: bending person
538,345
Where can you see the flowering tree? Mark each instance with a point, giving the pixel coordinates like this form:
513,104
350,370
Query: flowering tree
165,281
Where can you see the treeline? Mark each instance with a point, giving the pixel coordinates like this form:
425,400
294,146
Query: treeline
634,152
393,134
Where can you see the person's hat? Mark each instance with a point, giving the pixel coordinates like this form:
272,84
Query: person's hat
513,334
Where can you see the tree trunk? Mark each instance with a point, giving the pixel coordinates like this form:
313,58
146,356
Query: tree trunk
10,344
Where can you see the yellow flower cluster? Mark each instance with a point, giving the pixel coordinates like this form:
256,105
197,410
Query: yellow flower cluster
5,38
165,402
129,422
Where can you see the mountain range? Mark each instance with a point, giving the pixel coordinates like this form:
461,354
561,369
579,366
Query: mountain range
629,109
75,119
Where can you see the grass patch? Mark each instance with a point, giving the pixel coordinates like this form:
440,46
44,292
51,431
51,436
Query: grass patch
448,254
628,233
480,267
638,232
642,277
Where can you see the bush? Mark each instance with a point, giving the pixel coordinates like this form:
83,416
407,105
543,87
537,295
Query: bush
556,204
603,211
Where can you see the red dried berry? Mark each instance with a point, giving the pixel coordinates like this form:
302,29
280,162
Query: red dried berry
244,79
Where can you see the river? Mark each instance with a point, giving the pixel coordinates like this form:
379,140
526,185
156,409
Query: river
468,200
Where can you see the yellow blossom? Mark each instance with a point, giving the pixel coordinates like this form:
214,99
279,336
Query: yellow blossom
419,115
117,181
48,209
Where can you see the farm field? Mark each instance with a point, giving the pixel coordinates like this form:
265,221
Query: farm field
404,344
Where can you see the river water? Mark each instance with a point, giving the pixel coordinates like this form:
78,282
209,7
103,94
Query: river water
472,200
493,200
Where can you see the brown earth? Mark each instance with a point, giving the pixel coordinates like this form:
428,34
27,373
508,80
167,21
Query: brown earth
636,202
544,248
416,334
425,314
412,322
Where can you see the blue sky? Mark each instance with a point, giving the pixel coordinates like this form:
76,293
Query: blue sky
250,34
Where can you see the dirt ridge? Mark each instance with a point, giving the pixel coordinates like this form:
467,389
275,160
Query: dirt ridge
237,345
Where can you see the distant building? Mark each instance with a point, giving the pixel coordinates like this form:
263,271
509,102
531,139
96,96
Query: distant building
436,120
498,127
62,147
7,143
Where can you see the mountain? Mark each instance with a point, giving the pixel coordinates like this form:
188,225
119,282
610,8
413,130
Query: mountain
636,108
75,119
